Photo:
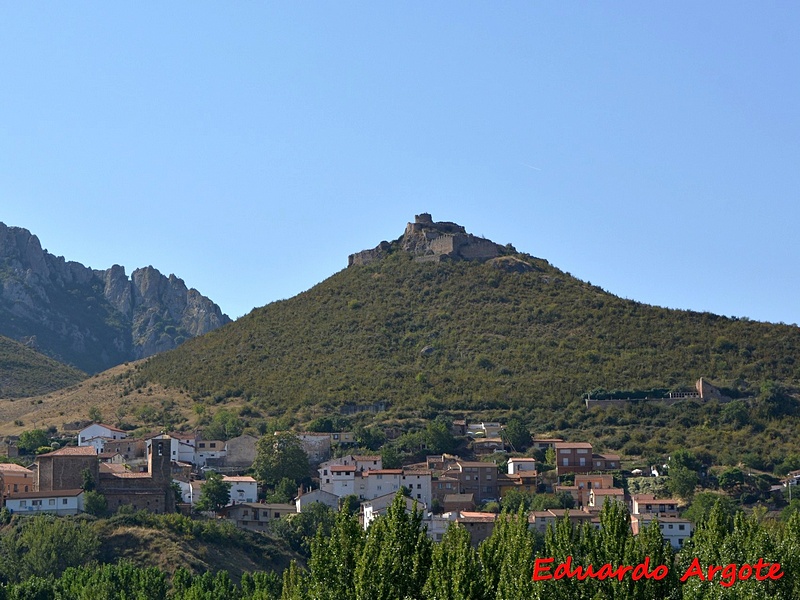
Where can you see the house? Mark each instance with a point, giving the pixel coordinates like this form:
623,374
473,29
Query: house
486,430
243,489
459,428
316,445
15,478
344,480
443,485
478,478
599,496
61,502
362,462
437,525
488,445
99,430
130,449
458,502
111,457
539,520
524,481
518,466
545,444
307,498
589,481
479,524
648,504
208,449
676,530
240,452
573,457
190,490
342,438
605,462
376,507
256,516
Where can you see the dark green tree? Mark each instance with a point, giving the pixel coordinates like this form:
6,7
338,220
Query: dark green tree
517,434
396,556
214,493
278,456
32,439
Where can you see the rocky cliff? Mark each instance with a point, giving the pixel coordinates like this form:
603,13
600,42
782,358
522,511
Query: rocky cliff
94,319
429,240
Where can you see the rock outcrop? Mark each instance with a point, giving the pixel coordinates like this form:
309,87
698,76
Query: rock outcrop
94,319
428,240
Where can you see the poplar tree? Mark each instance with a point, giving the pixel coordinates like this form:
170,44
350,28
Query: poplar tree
334,558
396,558
455,569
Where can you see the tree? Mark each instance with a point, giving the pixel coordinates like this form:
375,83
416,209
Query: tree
88,480
517,434
390,457
45,545
278,456
682,482
95,414
396,556
32,439
284,491
214,493
95,503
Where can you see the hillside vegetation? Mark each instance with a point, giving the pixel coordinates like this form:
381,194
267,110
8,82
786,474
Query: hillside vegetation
468,336
25,372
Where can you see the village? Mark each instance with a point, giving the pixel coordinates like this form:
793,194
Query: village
167,472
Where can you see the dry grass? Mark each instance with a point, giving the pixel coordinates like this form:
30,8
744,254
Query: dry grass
113,392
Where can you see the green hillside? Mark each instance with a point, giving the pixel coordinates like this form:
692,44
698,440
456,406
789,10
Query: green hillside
469,336
25,372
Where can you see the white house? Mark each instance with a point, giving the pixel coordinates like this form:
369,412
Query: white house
344,480
326,498
674,529
60,502
376,507
205,449
243,489
190,490
99,430
517,466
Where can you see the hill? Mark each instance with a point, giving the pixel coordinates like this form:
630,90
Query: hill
93,319
441,320
119,395
25,372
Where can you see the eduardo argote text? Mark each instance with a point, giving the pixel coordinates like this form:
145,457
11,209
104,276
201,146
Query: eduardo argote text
761,570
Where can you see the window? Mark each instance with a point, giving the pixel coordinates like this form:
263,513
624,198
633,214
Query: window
36,503
277,515
671,526
681,527
488,478
23,503
582,461
52,502
565,462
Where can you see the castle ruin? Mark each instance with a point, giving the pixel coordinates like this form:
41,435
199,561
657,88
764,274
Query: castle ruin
431,241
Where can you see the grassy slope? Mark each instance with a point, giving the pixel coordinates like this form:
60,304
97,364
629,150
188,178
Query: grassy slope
535,340
25,372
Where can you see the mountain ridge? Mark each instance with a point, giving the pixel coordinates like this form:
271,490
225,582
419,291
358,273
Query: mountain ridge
94,319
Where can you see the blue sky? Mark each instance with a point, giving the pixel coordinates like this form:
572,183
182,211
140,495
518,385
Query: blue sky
653,150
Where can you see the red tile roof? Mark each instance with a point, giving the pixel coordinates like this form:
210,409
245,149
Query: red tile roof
72,451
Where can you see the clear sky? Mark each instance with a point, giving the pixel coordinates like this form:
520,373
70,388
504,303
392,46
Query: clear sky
652,149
